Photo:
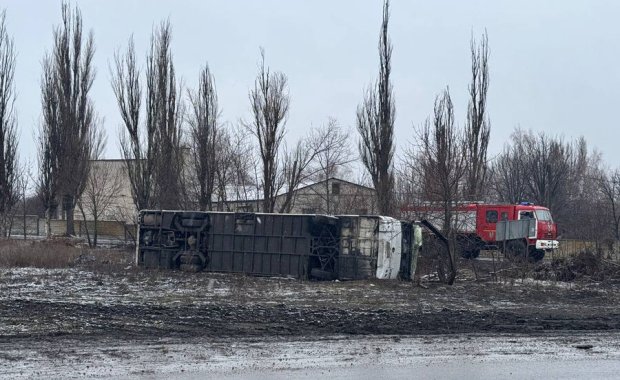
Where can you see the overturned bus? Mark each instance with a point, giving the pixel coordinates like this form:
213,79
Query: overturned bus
302,246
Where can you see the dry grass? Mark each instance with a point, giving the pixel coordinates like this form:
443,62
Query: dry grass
585,266
41,254
106,260
60,253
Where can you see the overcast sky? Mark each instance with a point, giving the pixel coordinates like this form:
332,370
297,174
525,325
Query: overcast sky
554,65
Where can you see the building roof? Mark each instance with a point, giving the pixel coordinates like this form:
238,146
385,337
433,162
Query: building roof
306,185
254,193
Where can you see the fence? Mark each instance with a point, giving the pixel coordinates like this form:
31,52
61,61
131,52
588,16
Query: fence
108,231
26,225
570,247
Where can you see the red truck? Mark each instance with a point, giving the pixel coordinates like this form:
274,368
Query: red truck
521,230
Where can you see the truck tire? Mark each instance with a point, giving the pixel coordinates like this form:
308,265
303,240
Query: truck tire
468,245
470,254
516,249
536,255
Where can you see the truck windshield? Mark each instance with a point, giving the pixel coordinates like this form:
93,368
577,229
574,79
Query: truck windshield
543,215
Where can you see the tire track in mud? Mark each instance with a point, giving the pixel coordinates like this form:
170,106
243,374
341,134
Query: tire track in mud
40,319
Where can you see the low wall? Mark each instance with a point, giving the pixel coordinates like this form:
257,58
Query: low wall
106,229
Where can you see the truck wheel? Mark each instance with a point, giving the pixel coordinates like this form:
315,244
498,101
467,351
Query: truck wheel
470,254
515,249
536,255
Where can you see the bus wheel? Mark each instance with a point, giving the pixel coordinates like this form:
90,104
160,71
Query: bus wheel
320,274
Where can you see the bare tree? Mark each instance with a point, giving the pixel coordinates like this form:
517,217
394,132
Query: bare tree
409,182
24,184
137,150
327,154
549,169
609,184
47,153
204,126
333,159
441,157
164,112
69,122
535,167
152,149
478,125
294,172
375,123
233,171
9,166
509,172
562,175
317,156
584,214
99,196
270,104
335,156
443,167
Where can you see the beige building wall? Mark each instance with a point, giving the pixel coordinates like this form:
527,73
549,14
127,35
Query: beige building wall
108,185
333,196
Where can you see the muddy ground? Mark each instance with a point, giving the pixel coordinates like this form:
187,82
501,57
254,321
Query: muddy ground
131,303
52,310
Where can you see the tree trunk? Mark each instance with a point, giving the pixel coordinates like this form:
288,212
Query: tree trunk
86,225
327,195
95,233
48,223
69,208
70,223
